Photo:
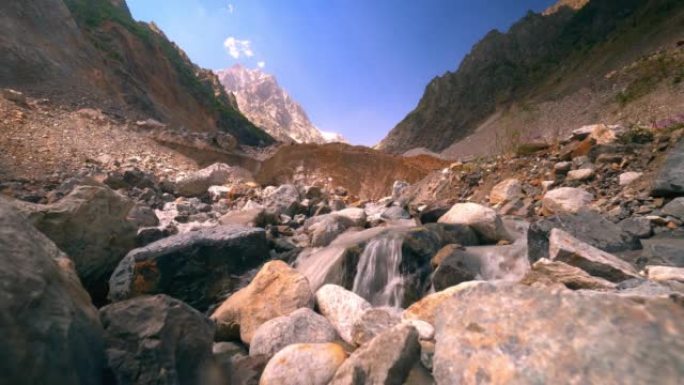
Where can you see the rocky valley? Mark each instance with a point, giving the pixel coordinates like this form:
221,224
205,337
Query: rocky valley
162,224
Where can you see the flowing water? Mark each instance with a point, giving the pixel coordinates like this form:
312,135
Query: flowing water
378,278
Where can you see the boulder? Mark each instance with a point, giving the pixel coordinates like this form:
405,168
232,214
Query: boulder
665,273
197,267
398,188
374,321
566,248
217,193
587,226
670,179
342,308
300,326
385,360
426,308
484,220
326,228
283,200
663,250
433,211
627,178
504,335
311,364
356,215
51,332
277,290
545,272
456,266
143,216
675,208
156,340
639,227
580,175
198,182
506,191
394,213
90,226
566,200
256,217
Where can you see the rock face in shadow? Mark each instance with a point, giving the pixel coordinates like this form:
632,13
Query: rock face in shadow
198,267
51,333
523,335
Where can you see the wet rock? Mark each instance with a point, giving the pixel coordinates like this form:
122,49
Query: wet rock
324,229
197,183
197,267
566,248
277,290
385,360
284,200
300,326
51,333
566,200
502,335
485,221
639,227
580,175
433,211
665,273
156,340
356,215
373,322
456,267
506,191
587,226
143,216
549,273
313,364
675,208
342,308
627,178
90,226
670,179
426,308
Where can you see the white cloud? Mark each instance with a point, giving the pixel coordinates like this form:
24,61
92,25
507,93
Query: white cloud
231,8
237,48
261,64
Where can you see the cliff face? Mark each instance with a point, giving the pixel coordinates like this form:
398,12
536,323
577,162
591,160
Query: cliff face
92,52
542,57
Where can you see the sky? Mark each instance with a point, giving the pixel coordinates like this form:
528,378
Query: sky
358,67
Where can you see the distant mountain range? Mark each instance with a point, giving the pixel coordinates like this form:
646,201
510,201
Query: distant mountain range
266,104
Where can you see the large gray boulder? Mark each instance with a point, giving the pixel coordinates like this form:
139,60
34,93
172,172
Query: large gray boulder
484,220
664,249
504,335
197,267
90,225
386,360
325,228
51,333
284,199
670,179
157,340
300,326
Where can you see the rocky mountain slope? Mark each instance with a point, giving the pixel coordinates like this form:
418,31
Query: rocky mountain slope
93,54
264,102
607,60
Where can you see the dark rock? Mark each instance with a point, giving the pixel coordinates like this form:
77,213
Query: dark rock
639,227
459,266
670,179
51,333
395,213
156,340
434,211
666,249
284,199
675,208
198,267
587,226
247,370
143,216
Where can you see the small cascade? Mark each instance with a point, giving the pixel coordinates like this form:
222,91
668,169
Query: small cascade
378,278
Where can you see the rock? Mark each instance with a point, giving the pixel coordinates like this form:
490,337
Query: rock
628,178
566,200
51,332
639,227
587,226
395,213
326,228
426,308
398,188
386,360
356,215
433,211
156,340
311,364
244,370
580,175
502,335
284,200
548,273
506,191
143,216
665,273
197,183
675,208
670,179
342,308
600,133
217,193
456,267
485,221
277,290
257,217
562,167
225,141
663,251
300,326
197,267
425,330
373,322
90,226
566,248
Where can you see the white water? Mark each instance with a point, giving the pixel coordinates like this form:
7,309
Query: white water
378,278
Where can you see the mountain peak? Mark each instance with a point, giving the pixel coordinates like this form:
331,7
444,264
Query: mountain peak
573,4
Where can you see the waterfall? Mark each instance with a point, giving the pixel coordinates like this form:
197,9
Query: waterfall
378,278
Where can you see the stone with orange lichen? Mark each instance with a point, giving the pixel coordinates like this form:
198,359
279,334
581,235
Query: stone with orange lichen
313,364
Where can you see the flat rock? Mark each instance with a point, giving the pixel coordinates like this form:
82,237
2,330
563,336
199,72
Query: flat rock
566,200
484,220
627,178
665,273
313,364
342,308
581,174
545,272
197,267
670,179
300,326
506,336
277,290
566,248
156,340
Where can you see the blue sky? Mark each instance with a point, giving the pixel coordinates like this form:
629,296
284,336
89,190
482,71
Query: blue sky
358,67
